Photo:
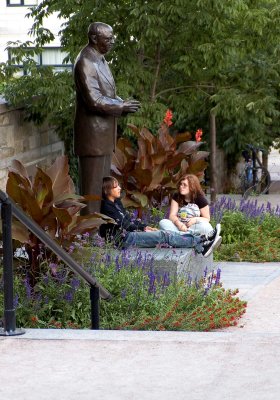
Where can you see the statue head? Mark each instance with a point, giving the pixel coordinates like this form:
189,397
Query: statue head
101,37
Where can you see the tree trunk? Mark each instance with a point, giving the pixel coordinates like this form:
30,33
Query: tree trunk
265,159
213,171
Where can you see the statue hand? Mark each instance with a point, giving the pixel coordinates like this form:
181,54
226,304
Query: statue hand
131,106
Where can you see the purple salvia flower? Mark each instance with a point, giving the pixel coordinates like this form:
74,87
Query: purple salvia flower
53,267
118,266
210,280
61,276
75,283
189,280
107,260
138,258
69,296
218,276
92,258
71,249
28,288
134,215
125,258
152,281
205,272
206,290
166,280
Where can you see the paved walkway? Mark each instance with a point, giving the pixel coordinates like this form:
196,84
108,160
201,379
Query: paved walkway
238,363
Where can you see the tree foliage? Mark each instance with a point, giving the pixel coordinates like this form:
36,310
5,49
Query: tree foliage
193,57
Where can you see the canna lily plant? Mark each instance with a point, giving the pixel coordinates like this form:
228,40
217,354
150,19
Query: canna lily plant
50,200
151,170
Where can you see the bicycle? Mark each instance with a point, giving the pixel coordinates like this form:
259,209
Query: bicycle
255,178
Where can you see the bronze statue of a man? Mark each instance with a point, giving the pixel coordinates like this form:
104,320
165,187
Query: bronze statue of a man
97,106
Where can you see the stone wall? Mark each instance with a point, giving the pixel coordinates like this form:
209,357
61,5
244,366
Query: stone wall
21,140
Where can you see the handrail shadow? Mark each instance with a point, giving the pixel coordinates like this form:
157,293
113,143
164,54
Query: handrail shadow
9,208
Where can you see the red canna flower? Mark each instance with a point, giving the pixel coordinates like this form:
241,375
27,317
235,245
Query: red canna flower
198,135
168,118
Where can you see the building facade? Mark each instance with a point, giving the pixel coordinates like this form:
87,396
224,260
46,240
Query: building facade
15,25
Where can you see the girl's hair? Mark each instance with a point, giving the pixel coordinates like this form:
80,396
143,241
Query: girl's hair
194,187
109,182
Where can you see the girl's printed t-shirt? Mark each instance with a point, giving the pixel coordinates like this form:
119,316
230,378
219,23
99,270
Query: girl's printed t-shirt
189,210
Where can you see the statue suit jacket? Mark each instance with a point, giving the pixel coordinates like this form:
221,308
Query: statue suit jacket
97,106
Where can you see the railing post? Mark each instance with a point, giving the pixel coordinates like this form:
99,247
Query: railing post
9,328
94,300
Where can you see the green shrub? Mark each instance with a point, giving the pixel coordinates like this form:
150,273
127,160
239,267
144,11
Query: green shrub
249,239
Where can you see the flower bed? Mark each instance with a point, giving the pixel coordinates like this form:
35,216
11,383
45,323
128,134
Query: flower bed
250,231
143,299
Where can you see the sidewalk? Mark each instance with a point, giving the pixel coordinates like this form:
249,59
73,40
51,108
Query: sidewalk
239,363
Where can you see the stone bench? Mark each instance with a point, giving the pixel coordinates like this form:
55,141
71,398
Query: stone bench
183,263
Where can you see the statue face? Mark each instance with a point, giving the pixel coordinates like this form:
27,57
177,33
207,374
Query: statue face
105,40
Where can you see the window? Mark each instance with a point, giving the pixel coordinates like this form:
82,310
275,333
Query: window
50,56
11,3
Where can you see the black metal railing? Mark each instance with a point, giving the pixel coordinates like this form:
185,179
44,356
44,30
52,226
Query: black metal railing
9,208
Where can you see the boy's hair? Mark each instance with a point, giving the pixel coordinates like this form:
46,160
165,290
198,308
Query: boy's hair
109,182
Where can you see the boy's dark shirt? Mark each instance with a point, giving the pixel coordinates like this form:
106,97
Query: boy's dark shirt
115,210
